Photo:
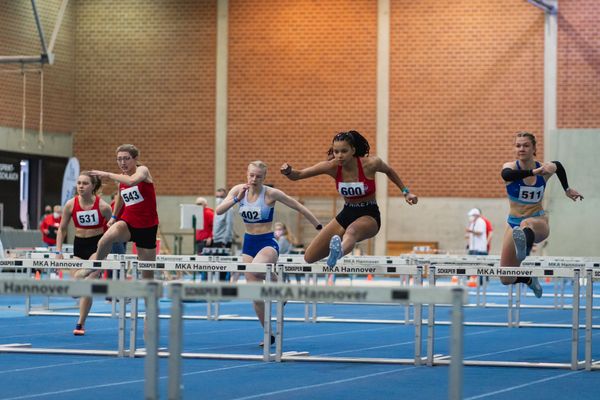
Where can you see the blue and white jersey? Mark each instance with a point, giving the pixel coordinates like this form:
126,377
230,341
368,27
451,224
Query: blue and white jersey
519,192
257,212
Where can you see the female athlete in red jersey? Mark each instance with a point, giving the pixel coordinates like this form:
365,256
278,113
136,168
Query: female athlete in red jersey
354,174
89,213
139,219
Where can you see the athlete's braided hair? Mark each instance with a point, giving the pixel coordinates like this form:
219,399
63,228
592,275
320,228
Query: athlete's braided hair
354,139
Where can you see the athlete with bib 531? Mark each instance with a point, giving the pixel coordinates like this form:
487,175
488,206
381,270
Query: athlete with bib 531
527,222
89,214
354,174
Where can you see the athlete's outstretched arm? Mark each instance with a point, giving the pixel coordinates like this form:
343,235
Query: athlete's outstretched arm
283,198
393,176
321,168
562,177
140,175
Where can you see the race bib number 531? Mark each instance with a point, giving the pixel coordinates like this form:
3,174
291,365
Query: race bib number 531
87,218
131,196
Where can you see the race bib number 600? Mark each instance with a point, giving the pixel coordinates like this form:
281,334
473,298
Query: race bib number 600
352,189
131,196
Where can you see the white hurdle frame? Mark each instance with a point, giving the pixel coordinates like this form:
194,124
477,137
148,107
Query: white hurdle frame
151,291
469,270
49,263
179,292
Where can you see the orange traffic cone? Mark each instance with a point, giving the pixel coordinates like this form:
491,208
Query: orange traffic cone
369,277
454,279
37,275
472,281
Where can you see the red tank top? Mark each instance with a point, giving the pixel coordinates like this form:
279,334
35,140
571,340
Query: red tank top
88,219
363,188
139,205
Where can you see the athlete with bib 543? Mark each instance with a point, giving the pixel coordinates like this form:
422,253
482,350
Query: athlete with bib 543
139,220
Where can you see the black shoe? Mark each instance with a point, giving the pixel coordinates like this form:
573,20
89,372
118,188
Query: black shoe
262,344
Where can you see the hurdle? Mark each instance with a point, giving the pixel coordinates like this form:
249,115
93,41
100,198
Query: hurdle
592,274
151,291
179,292
211,267
49,263
468,270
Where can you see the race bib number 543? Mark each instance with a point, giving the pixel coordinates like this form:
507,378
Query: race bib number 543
131,196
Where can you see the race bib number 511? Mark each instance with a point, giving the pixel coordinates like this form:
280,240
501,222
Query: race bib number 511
531,194
131,196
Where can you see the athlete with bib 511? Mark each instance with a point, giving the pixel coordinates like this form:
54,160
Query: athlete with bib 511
139,220
354,174
528,224
256,206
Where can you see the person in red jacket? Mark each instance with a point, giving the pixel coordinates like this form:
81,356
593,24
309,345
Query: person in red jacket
49,226
204,236
134,216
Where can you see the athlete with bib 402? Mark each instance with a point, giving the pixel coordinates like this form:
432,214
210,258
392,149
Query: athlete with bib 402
89,214
354,174
138,221
256,206
527,222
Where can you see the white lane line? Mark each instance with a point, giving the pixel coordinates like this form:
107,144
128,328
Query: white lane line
510,389
106,385
8,371
317,385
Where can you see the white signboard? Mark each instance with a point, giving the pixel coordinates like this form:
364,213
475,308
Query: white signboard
188,212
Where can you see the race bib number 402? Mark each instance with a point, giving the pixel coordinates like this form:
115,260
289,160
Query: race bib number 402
250,214
131,196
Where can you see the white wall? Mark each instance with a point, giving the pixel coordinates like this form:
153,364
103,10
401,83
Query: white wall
574,227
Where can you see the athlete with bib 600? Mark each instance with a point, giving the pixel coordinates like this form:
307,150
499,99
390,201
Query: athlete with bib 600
139,220
527,222
354,174
89,213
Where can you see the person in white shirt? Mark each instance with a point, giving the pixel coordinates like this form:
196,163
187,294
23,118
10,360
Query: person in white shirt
476,233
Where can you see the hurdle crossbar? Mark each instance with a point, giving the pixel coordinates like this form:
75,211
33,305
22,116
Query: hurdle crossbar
151,291
539,272
179,292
